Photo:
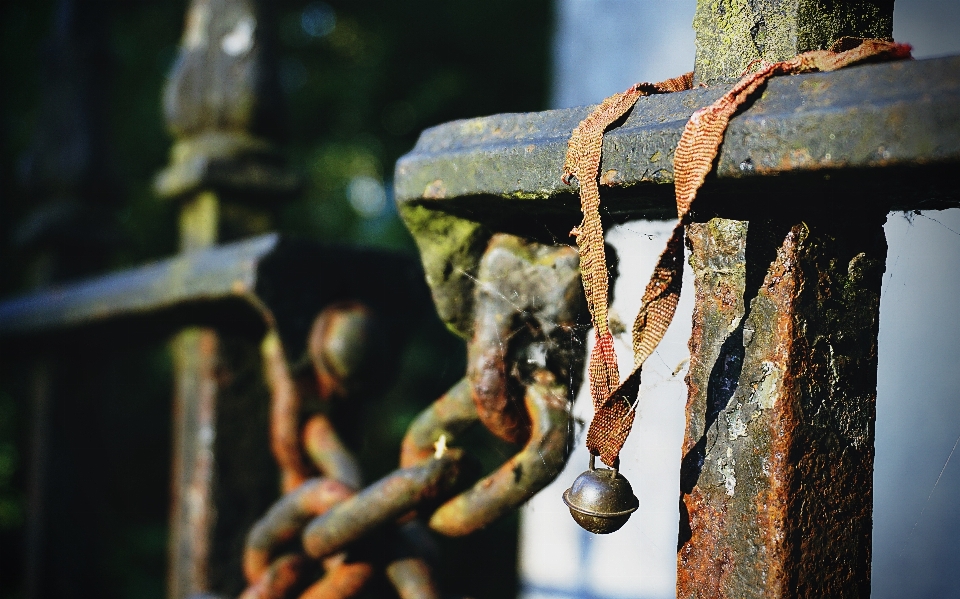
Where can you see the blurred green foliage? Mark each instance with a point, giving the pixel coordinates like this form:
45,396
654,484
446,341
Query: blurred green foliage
361,80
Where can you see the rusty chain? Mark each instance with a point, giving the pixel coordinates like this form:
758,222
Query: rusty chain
338,346
524,362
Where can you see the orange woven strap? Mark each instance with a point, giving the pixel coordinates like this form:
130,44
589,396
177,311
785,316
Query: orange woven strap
704,131
583,162
614,413
614,401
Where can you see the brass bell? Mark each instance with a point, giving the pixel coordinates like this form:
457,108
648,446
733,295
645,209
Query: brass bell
601,501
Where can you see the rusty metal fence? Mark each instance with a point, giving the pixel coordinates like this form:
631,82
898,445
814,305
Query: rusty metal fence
787,248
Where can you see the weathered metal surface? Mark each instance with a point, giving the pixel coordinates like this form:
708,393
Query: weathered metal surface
732,35
235,286
282,581
241,481
212,275
192,512
239,289
526,337
286,519
412,579
526,333
776,477
285,405
223,78
878,137
342,580
494,170
328,453
447,417
345,348
237,164
223,103
520,477
383,501
528,300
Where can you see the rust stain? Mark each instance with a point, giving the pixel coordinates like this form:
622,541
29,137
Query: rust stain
381,503
281,580
412,579
796,159
286,518
610,178
798,523
284,413
716,561
328,453
705,562
447,417
497,408
341,581
728,295
781,287
522,286
520,477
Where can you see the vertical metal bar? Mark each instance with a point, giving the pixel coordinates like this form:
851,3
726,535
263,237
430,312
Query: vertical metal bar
196,387
777,472
778,450
221,103
195,354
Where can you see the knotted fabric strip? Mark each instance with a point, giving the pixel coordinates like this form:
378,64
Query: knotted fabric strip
614,400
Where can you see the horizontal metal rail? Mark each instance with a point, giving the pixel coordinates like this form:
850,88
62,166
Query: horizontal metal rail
902,114
210,275
244,286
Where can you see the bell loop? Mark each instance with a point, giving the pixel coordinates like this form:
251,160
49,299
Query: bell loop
615,468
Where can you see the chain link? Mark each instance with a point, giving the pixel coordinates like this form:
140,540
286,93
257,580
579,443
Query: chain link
524,363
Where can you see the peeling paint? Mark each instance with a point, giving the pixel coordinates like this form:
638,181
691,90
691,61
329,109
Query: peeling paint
737,428
765,393
726,469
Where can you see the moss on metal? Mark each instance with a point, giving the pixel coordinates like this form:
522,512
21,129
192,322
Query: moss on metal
450,248
733,33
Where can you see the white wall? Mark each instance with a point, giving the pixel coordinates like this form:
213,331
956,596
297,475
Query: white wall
558,558
603,46
918,411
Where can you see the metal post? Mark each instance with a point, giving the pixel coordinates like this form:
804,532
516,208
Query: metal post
733,34
222,104
777,472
